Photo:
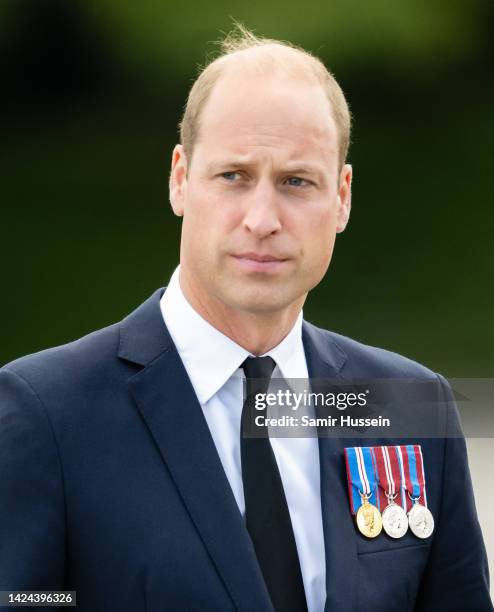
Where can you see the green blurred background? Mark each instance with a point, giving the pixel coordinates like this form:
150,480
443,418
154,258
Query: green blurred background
91,96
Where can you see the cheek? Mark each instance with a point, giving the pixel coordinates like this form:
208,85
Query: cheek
317,231
211,214
322,233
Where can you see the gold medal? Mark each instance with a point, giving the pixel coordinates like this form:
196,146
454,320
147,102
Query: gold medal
369,521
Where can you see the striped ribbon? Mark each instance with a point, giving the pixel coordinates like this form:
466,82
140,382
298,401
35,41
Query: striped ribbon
361,476
389,476
378,470
413,467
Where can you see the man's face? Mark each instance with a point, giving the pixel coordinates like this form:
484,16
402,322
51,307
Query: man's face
262,197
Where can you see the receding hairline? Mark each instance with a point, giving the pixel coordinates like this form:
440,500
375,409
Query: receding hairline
262,57
269,56
270,60
266,69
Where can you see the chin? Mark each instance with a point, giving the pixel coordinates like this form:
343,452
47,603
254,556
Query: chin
260,301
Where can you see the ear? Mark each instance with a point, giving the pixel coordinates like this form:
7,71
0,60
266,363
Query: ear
178,180
344,198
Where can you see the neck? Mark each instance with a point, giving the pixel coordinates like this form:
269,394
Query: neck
256,332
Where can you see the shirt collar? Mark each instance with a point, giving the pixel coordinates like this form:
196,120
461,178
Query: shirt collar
209,356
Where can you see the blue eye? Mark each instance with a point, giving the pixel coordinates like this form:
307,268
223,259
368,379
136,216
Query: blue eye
230,176
296,181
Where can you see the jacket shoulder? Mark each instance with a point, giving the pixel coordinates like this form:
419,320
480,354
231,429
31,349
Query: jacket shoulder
100,359
363,360
61,363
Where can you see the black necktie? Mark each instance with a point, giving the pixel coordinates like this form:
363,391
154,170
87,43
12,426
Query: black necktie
266,511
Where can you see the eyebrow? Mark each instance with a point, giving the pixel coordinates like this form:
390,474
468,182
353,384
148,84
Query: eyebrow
229,162
304,169
293,168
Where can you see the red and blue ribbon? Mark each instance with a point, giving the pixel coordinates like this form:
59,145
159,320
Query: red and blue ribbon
361,476
377,470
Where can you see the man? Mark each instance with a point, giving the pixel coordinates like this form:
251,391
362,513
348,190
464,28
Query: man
124,471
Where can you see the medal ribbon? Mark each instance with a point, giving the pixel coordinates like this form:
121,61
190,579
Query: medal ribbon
376,473
385,476
380,469
361,476
399,478
390,475
413,467
406,501
420,472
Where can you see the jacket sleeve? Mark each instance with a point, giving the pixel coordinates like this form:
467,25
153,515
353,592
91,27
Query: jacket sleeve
457,577
32,516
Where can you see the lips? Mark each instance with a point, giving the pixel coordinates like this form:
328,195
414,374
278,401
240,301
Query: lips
260,258
260,262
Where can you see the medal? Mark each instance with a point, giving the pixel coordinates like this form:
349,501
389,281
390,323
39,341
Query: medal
394,517
395,520
420,518
362,489
377,476
369,521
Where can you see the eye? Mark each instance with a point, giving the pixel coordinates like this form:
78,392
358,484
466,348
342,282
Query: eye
296,181
231,175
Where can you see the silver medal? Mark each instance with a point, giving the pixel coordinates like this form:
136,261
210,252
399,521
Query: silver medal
395,520
420,520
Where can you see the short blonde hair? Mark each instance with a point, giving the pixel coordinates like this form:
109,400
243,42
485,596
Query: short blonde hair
292,59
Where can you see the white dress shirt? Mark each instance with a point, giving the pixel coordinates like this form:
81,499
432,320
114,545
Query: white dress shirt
213,361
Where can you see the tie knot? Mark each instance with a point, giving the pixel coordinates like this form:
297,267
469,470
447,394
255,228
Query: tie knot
258,367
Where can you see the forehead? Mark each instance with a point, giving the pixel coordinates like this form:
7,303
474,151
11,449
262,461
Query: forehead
283,116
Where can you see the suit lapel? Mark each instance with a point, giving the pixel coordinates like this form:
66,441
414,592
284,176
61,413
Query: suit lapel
325,360
169,406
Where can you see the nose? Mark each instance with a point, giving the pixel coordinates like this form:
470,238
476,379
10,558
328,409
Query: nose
261,214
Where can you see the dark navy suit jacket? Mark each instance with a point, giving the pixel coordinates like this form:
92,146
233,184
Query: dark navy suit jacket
110,485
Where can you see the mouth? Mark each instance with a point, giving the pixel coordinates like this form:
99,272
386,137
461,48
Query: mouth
257,262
